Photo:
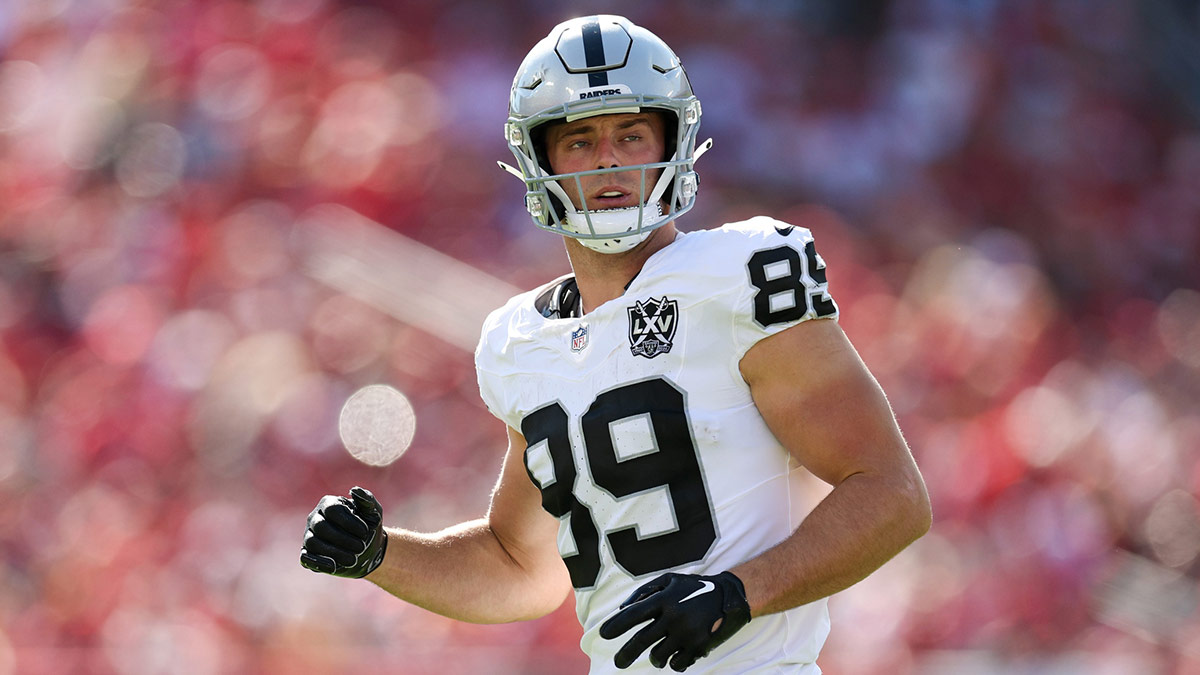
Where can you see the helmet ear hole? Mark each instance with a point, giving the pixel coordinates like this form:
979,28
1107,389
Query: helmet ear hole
670,132
671,135
538,137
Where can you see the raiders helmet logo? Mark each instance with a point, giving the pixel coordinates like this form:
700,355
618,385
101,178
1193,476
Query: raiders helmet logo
652,326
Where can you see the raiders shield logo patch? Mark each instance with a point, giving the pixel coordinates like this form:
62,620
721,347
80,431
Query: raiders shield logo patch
652,326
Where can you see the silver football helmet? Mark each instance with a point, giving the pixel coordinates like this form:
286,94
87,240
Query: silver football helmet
598,65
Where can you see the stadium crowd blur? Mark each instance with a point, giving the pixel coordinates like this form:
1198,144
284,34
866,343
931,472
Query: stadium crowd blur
1007,195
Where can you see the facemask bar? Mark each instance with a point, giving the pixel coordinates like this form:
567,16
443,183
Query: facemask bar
551,183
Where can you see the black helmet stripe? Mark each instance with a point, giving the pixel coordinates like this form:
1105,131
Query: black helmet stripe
593,52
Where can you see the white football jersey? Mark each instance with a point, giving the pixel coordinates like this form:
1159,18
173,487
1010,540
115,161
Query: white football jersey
642,435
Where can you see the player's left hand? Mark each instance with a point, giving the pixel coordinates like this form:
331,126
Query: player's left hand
689,616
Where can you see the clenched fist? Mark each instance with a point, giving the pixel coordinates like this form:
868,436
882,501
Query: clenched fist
345,537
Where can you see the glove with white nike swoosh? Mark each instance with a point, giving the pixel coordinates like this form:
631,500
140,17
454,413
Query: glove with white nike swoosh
689,616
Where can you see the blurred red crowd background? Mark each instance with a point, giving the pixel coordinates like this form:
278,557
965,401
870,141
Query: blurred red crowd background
1007,195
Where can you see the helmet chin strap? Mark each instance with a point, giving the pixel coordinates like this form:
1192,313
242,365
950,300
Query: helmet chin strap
627,226
617,221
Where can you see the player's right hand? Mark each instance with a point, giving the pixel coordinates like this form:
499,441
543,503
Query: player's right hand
345,537
689,615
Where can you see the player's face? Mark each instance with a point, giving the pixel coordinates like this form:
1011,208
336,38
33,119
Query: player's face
606,141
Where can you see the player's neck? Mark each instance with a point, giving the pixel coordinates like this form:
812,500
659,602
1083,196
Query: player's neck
603,276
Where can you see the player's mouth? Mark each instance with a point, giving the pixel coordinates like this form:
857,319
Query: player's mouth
612,197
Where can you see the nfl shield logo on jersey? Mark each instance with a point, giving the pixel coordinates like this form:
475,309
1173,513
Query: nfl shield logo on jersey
651,326
579,338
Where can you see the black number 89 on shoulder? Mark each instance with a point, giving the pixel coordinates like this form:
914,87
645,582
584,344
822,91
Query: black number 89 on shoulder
789,285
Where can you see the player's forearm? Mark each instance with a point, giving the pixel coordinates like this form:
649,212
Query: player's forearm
860,525
464,573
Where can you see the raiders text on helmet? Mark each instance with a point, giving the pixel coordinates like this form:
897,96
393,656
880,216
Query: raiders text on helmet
600,65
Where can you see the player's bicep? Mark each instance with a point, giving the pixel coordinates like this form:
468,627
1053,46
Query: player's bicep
526,531
818,398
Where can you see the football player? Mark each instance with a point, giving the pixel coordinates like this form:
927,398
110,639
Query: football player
661,403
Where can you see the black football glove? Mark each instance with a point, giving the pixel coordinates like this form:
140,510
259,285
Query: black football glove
684,608
345,537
